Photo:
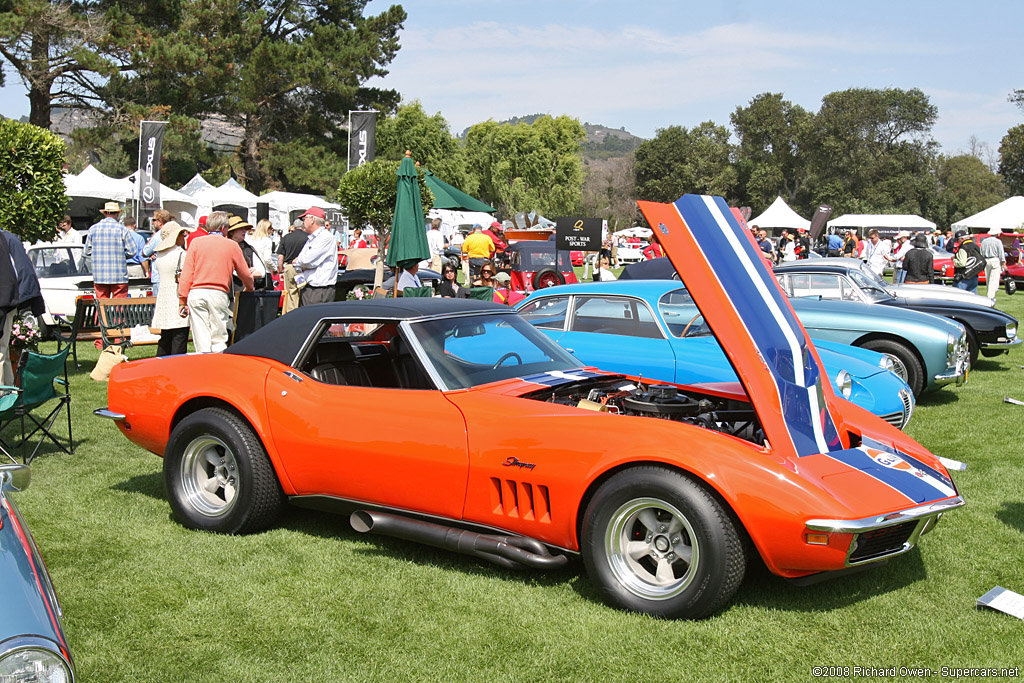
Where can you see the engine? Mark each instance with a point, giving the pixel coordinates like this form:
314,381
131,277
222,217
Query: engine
620,396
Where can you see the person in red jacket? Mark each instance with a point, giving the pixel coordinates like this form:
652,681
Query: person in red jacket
653,250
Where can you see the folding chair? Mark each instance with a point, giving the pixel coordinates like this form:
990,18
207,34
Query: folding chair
35,378
426,290
482,293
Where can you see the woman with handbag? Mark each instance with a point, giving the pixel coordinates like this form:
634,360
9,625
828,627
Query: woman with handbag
170,254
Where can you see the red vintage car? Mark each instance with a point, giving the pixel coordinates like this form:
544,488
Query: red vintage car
942,262
536,265
665,491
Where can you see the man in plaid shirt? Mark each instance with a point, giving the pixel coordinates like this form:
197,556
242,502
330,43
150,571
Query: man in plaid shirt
110,245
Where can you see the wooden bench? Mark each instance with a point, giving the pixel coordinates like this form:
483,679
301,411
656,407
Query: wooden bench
84,326
117,317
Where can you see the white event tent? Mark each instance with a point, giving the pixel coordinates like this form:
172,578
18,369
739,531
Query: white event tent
1007,215
779,216
228,197
284,204
884,223
90,189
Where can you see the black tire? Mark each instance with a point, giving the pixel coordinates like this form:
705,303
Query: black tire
914,370
547,277
691,541
218,475
973,347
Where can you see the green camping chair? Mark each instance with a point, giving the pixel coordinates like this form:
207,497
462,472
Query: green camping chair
36,377
482,293
426,290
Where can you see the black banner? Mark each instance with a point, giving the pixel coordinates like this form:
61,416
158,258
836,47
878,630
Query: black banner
819,219
151,142
362,137
578,234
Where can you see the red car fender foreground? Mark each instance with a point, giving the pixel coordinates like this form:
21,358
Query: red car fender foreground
457,424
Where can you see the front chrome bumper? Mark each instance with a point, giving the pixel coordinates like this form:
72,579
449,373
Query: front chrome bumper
1002,345
923,518
949,376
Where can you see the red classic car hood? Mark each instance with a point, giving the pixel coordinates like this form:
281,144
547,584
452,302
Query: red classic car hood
752,320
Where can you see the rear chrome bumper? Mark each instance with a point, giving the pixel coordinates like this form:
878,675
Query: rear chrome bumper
918,521
109,414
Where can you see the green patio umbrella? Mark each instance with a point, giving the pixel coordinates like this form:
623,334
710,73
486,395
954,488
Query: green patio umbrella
408,240
449,197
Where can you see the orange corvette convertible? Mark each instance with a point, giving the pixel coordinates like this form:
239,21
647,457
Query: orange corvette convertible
478,434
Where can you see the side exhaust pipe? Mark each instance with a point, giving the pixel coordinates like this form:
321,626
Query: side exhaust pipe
511,552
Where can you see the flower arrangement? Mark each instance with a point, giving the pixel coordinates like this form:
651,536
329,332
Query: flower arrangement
25,333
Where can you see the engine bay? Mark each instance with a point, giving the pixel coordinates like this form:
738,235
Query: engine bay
620,396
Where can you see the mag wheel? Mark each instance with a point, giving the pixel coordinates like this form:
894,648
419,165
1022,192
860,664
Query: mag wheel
218,475
657,542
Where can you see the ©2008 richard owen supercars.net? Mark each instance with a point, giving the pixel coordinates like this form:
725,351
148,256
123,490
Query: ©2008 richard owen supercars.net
478,434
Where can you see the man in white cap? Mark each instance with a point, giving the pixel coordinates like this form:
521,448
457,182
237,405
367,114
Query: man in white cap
899,252
317,263
995,261
109,245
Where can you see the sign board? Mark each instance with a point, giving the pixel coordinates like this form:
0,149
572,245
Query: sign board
578,234
362,137
1003,600
819,219
151,141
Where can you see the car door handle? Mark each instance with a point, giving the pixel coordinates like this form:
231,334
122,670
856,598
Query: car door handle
293,376
572,351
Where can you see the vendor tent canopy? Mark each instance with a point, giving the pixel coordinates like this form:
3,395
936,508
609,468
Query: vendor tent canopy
449,197
96,185
886,223
230,197
181,205
635,231
780,216
451,220
1007,215
284,204
193,186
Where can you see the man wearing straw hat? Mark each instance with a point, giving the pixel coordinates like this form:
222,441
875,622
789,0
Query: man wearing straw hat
109,245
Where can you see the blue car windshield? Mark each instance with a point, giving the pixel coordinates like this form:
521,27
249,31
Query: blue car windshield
467,351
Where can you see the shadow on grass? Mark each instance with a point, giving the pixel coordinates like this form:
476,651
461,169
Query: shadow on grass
151,484
1012,515
938,398
762,589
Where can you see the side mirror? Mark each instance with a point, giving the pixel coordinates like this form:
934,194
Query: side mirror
14,478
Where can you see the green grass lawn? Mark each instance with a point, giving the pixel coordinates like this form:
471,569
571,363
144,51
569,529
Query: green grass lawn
311,600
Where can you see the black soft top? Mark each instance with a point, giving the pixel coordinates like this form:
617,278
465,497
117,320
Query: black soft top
282,339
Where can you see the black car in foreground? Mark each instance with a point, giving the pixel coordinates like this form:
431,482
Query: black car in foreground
990,331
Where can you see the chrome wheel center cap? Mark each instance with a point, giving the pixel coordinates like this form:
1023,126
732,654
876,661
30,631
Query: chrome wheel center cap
661,544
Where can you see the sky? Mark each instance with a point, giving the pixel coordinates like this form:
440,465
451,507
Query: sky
643,65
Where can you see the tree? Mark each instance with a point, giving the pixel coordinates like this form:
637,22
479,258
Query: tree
966,186
1011,160
60,49
770,158
871,150
609,191
284,72
527,166
32,199
429,138
678,161
367,194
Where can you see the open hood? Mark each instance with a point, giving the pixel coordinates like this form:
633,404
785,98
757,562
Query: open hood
752,319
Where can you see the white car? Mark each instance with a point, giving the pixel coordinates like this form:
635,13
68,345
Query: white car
631,253
64,275
915,292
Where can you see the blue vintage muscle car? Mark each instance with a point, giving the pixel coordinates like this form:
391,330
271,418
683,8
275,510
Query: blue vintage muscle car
32,645
929,351
652,328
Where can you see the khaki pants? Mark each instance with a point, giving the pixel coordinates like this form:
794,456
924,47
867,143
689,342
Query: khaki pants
291,290
209,312
993,269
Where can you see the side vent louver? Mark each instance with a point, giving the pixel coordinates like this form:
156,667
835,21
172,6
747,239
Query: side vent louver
521,499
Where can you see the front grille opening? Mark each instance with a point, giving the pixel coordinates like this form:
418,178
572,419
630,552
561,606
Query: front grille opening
882,542
513,498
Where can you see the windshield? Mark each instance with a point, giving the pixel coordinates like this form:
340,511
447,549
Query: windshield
468,351
874,287
64,261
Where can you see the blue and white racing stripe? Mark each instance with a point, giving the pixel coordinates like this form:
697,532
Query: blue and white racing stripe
556,377
898,470
767,319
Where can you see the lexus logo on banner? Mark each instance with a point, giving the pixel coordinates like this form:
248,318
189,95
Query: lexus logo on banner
151,141
362,137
